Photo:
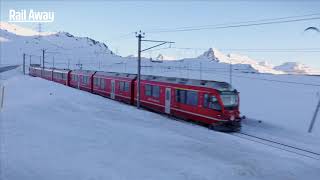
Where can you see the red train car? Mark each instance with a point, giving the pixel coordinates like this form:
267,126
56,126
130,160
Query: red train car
61,76
47,73
213,103
118,86
35,71
82,79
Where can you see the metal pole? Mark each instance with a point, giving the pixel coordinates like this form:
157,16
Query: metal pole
200,71
230,72
52,61
24,63
139,70
2,96
43,58
314,117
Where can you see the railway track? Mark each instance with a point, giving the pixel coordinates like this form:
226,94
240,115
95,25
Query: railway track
279,145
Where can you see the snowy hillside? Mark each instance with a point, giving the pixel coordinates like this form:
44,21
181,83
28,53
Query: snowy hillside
296,68
61,47
21,31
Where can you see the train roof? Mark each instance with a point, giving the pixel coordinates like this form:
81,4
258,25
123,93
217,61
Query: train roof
221,86
35,67
61,70
87,72
116,74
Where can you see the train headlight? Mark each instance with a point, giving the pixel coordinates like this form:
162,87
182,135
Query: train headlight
232,118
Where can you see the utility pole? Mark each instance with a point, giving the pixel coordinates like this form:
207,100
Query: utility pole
80,68
43,51
140,35
230,72
24,63
314,117
53,62
39,30
68,63
200,71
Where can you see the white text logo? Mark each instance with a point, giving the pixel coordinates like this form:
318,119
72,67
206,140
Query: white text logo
30,16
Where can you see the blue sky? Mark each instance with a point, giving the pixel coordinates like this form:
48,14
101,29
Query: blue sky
111,21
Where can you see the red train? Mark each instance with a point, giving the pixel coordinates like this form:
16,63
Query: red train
212,103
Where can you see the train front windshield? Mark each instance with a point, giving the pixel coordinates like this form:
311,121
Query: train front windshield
229,99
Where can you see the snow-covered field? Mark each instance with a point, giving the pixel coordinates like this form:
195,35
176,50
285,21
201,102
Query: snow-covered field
50,131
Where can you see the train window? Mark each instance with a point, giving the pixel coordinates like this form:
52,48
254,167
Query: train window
181,96
148,90
205,100
211,102
187,97
192,98
124,86
64,76
74,77
102,84
96,81
151,90
85,80
121,86
156,91
214,104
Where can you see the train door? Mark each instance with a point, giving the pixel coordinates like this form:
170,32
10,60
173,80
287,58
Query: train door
168,100
113,89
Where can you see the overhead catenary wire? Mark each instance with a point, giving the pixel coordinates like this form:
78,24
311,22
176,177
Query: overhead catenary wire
239,22
235,25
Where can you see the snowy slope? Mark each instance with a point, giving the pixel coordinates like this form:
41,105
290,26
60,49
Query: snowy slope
64,133
61,47
21,31
296,68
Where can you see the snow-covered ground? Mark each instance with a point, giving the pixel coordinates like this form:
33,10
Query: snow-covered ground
50,131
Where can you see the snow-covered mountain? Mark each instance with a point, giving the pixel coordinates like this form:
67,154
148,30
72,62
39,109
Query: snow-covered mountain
60,47
261,67
162,57
69,51
216,55
296,68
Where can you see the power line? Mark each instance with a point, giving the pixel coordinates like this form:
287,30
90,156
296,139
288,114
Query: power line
240,22
235,26
293,50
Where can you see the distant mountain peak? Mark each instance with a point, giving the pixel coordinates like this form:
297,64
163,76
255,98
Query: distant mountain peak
162,57
210,54
296,68
253,66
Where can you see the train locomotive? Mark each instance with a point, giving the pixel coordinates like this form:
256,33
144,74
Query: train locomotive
211,103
